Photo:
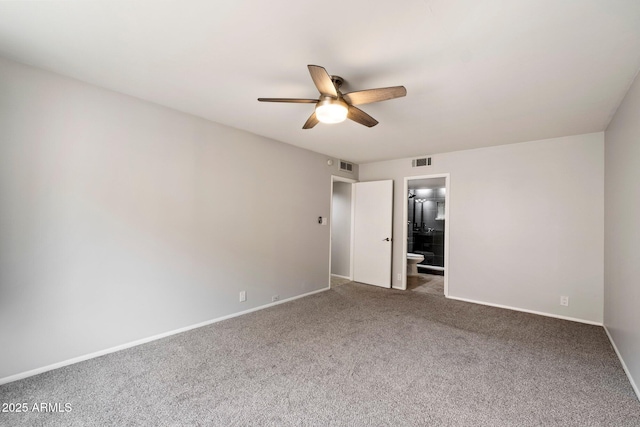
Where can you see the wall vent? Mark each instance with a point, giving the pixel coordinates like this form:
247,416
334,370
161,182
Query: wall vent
425,161
346,166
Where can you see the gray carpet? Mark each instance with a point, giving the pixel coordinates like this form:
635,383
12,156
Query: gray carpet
355,355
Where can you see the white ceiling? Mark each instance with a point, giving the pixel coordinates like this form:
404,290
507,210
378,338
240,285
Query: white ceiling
477,73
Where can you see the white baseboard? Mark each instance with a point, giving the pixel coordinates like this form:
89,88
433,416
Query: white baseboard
624,365
524,310
341,277
57,365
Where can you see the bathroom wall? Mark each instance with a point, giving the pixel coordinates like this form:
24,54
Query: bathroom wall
526,223
121,220
622,232
341,229
413,221
427,233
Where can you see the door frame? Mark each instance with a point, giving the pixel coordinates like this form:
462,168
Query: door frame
405,233
351,181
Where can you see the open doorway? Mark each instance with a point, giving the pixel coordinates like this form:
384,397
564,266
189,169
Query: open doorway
341,231
426,234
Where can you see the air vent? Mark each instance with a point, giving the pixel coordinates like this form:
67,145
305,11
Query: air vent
425,161
346,166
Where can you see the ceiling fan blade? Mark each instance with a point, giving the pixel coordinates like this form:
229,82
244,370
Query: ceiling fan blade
374,95
322,80
311,121
294,100
357,115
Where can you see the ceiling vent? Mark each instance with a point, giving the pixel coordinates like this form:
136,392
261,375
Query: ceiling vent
346,166
425,161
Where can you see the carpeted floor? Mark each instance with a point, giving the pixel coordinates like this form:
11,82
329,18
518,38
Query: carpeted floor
355,355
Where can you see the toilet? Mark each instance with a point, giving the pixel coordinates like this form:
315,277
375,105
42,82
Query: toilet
412,263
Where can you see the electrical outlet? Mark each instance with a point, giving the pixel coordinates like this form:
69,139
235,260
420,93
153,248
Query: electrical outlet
564,301
275,298
243,296
399,276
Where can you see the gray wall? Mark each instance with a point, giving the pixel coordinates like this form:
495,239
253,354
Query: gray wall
121,219
622,232
526,223
341,229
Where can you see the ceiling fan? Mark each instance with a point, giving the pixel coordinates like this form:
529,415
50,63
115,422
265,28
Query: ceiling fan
335,107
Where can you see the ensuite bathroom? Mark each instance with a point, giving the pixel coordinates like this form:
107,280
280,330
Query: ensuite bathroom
426,235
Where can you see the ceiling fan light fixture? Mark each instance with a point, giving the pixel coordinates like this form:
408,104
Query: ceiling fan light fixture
333,106
330,110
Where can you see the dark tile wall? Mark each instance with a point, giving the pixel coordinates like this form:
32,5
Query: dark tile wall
425,232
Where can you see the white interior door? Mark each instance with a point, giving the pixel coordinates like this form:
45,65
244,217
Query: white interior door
372,233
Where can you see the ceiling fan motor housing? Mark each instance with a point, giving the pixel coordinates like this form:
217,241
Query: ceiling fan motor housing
337,81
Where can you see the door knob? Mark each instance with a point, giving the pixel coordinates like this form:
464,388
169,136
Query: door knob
386,240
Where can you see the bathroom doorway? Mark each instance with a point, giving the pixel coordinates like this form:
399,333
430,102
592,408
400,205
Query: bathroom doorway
341,231
426,234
